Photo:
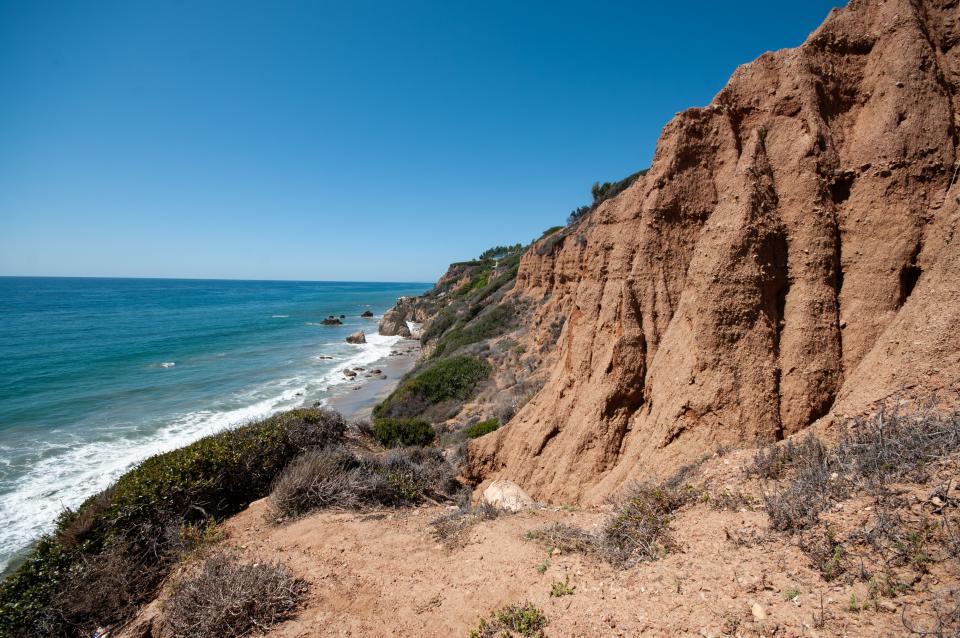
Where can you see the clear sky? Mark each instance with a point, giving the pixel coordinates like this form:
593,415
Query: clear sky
347,140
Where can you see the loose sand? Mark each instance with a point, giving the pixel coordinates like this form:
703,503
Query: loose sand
357,399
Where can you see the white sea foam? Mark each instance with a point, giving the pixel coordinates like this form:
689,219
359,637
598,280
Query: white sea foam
377,347
279,316
70,471
168,364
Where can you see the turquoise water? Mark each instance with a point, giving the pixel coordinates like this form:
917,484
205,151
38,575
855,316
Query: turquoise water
101,373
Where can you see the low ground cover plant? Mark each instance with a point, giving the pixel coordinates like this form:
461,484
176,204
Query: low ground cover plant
452,379
491,323
483,427
398,431
513,620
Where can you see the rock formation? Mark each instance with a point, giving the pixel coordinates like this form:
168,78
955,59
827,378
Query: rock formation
357,337
394,321
791,256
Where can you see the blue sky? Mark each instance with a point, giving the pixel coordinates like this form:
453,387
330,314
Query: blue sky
336,140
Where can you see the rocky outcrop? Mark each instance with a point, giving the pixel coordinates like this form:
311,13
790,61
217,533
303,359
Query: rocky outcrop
366,314
331,321
407,309
791,256
394,323
357,337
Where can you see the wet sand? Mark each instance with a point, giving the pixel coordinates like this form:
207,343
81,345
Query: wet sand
356,400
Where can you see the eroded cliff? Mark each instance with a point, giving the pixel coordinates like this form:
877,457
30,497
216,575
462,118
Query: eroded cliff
789,257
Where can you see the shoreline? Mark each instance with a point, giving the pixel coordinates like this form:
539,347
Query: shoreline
358,398
354,400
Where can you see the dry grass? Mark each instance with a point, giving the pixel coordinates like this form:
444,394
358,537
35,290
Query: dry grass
637,530
901,469
226,598
942,620
338,478
870,454
566,538
452,529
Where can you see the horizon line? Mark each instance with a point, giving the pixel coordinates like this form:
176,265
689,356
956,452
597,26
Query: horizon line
162,278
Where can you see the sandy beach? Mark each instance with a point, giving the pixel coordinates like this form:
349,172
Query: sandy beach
357,399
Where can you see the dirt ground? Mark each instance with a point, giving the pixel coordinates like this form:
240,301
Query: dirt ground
382,573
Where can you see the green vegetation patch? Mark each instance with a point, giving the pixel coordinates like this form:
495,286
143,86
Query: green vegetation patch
394,432
492,323
450,379
513,620
603,192
561,588
499,252
110,554
484,427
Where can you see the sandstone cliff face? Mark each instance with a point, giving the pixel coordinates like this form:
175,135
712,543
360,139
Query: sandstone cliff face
790,257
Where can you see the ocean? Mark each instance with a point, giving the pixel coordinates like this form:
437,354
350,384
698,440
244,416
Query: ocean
99,374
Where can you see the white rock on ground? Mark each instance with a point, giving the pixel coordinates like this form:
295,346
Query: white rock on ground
507,495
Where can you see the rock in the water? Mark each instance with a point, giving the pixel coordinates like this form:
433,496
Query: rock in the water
331,321
357,337
507,495
366,313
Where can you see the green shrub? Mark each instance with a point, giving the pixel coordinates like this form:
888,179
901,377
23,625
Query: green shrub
523,620
494,322
440,324
510,266
551,242
129,536
551,231
484,427
449,379
499,252
561,588
392,432
603,192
